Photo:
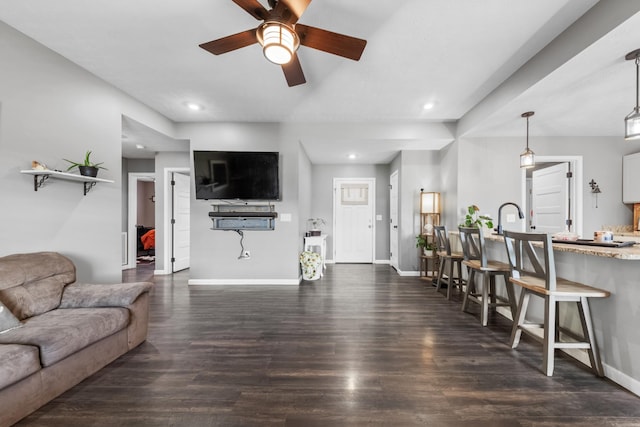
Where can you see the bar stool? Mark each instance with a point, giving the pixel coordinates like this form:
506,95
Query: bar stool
447,258
475,258
537,276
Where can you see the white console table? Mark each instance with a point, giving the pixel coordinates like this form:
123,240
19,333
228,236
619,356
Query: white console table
321,242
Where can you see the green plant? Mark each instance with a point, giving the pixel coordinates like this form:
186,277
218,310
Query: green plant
87,162
474,219
422,242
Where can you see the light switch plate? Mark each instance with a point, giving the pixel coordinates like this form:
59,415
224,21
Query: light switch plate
285,217
378,217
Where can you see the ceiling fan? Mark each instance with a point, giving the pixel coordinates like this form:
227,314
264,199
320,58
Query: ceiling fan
280,36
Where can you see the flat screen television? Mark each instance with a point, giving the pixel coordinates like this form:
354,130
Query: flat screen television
236,175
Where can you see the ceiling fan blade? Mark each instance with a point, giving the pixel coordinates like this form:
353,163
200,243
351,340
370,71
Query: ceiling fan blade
254,8
291,10
293,72
330,42
232,42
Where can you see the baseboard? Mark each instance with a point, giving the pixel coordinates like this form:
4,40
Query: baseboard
382,261
250,282
161,272
408,273
622,379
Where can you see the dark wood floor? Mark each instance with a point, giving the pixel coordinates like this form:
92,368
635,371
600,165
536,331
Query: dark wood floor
362,346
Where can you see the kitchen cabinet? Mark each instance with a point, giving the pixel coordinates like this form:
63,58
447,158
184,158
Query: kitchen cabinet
631,178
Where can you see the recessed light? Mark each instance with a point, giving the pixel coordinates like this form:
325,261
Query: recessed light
193,106
428,106
140,146
352,156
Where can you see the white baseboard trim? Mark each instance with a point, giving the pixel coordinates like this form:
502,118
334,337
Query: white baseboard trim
408,273
382,261
251,282
622,379
161,272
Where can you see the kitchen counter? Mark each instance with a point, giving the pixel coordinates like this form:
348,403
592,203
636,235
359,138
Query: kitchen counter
631,253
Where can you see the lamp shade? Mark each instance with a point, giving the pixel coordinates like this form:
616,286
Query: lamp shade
429,202
527,159
279,42
632,125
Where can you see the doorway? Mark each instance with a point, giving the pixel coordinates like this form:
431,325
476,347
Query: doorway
573,198
353,216
393,220
140,201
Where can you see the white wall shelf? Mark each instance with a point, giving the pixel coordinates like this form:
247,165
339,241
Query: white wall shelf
40,176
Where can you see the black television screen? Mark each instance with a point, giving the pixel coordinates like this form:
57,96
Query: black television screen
243,175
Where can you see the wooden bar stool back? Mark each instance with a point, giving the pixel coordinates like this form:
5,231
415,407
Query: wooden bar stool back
448,260
537,276
475,258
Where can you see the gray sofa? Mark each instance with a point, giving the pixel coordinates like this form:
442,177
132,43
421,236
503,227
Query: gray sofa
54,333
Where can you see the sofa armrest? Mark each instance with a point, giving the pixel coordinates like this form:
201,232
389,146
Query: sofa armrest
93,295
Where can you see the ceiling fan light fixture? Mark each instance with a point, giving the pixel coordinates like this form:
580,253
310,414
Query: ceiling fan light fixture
279,42
527,158
632,121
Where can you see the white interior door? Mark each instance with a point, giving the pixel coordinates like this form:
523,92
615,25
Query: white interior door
550,199
354,225
393,220
181,199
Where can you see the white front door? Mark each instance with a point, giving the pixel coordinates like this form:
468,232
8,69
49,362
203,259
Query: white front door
550,199
354,226
181,203
393,220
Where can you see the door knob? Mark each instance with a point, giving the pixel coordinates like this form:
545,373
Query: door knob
533,227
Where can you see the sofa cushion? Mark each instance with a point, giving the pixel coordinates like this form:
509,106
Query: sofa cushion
109,295
7,319
18,362
62,332
32,283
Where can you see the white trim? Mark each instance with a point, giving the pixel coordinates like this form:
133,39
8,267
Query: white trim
577,207
251,282
372,194
382,261
166,226
622,379
132,215
408,273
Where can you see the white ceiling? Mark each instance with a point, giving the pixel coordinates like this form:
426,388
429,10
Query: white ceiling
451,53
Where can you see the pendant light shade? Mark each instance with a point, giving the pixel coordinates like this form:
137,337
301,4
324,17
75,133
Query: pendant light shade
527,158
279,42
632,121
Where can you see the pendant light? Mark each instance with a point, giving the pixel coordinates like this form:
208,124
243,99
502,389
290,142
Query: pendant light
279,41
632,121
527,158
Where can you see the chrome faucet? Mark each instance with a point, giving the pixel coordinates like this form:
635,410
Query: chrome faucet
520,214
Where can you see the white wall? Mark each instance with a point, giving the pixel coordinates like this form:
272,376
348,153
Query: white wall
51,109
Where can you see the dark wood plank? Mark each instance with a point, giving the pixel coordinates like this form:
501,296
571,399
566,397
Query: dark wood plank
361,346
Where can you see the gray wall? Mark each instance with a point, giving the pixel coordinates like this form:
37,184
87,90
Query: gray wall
322,200
489,174
305,193
51,109
274,254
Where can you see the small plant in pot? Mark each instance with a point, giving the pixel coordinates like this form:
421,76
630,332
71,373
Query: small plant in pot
86,168
474,219
427,247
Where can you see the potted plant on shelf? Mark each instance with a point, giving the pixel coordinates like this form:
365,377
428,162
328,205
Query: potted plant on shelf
428,248
474,219
87,167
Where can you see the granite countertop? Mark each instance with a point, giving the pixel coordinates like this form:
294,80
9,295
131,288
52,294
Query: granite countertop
631,253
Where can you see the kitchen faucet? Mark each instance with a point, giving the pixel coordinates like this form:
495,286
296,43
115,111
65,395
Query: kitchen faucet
520,214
